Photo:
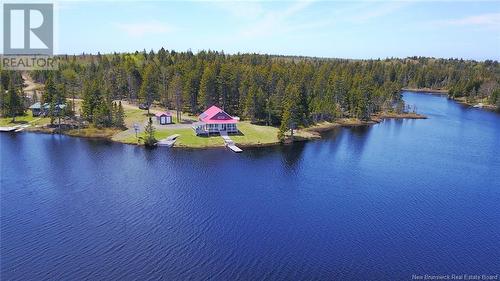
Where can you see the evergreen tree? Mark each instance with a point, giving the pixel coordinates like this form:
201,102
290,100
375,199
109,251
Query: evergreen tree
103,116
3,95
291,116
119,116
50,96
176,93
225,85
13,105
149,138
60,103
149,87
207,96
92,98
50,90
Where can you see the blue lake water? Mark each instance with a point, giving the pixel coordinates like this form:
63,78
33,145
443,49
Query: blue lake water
383,202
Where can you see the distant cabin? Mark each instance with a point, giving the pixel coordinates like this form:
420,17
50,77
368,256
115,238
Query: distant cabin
164,118
37,109
215,120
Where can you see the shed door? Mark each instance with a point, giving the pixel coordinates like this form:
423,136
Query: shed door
168,119
163,120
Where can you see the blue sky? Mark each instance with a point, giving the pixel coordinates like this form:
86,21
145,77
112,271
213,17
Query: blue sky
355,29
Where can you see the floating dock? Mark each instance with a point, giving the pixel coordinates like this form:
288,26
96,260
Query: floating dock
230,143
21,128
233,147
169,141
9,129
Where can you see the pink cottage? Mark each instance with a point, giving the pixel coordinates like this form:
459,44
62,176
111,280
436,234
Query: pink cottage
215,120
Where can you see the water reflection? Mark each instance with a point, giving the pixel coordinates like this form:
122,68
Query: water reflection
291,154
356,139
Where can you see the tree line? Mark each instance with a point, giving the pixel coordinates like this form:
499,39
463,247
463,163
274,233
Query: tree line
275,90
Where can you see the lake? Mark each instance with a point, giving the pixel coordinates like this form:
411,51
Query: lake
379,202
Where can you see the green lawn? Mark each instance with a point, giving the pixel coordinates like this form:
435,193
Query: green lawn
93,132
250,135
20,120
135,116
255,135
187,138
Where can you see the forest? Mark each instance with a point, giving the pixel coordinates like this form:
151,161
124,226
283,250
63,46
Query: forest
266,89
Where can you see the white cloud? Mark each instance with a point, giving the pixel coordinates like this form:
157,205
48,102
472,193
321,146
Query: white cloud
275,21
141,29
377,10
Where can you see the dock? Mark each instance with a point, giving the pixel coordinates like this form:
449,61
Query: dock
169,141
22,127
9,129
233,147
230,143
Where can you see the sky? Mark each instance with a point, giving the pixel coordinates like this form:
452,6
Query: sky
339,29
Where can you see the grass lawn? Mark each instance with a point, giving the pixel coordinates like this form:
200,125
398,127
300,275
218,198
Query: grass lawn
26,119
187,138
250,135
135,115
93,132
255,135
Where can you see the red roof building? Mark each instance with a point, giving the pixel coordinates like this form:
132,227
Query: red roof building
164,118
215,120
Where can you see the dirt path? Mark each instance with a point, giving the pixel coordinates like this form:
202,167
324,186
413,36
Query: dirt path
31,85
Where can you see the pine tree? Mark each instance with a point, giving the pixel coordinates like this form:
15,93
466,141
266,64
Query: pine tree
251,103
50,90
176,92
290,117
2,100
60,101
207,96
149,87
119,117
13,105
224,85
92,98
149,138
49,97
103,114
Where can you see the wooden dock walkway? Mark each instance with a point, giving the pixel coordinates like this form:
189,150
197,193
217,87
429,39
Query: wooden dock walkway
22,127
9,129
230,143
169,141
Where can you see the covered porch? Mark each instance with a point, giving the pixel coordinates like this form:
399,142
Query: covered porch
203,128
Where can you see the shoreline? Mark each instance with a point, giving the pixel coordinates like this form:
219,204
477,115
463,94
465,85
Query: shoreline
304,134
460,100
485,106
352,122
426,90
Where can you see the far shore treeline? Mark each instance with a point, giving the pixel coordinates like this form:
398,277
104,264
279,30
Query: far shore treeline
275,90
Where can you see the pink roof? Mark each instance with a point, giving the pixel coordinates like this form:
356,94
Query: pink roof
215,115
162,113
